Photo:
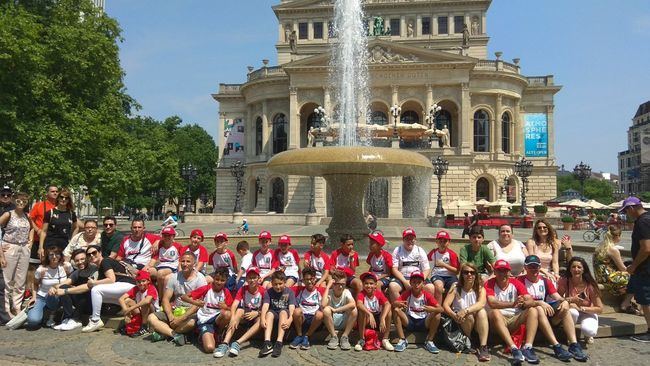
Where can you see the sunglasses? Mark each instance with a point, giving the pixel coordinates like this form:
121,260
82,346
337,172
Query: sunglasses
63,198
339,284
5,195
93,253
91,227
109,225
542,228
21,202
473,273
532,266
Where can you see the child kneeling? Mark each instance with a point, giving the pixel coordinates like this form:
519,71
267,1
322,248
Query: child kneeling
418,311
138,303
339,311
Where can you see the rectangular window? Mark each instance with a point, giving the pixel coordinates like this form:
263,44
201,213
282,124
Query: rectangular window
458,24
629,162
443,26
303,31
394,27
318,30
426,25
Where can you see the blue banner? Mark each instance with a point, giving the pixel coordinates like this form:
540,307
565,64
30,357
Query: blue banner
536,135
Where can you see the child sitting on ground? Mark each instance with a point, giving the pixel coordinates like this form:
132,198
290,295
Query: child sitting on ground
339,311
444,265
278,306
139,302
308,314
374,311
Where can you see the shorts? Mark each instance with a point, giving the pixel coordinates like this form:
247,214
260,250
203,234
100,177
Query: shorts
276,313
512,319
208,326
385,282
349,280
639,285
446,280
309,318
340,320
416,325
162,316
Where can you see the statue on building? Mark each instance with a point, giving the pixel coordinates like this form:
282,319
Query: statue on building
465,35
409,29
311,136
287,32
293,39
444,137
476,28
378,26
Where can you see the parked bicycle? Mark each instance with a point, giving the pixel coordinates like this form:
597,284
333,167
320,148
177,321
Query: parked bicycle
592,234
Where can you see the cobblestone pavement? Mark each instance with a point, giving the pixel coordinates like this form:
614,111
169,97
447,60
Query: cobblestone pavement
49,347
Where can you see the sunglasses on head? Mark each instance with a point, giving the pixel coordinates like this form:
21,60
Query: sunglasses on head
21,202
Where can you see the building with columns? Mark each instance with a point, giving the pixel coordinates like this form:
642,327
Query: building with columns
421,53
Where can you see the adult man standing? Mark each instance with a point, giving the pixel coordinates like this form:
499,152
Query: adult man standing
110,238
639,270
176,317
5,205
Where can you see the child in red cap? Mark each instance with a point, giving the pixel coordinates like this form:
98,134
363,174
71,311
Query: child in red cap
288,260
374,311
444,265
380,261
139,302
222,257
264,259
199,251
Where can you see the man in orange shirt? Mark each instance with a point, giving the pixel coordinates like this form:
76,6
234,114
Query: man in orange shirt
37,214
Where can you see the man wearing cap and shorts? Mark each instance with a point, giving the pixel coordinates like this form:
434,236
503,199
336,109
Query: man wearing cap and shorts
639,270
408,258
264,259
176,316
510,306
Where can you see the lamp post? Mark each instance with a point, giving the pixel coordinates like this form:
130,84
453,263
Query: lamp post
523,169
433,112
440,167
320,112
237,170
162,194
582,171
189,173
395,111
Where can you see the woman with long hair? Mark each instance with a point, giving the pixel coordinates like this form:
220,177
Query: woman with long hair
580,289
465,303
610,269
545,245
60,224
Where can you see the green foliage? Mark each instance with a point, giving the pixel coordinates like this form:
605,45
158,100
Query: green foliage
540,209
494,209
596,189
644,196
568,219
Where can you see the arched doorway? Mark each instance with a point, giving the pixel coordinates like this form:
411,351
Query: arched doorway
376,201
276,199
483,189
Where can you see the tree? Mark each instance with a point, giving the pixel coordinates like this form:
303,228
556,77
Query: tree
596,189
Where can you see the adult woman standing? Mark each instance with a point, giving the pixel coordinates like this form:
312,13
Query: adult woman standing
14,256
610,269
580,289
465,303
509,249
545,245
60,224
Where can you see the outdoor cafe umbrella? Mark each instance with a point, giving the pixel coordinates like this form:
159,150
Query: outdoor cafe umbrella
574,203
595,204
482,202
502,203
459,205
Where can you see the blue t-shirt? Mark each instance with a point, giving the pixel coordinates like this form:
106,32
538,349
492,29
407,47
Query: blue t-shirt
640,232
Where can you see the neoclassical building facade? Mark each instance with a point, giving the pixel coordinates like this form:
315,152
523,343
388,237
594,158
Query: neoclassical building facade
421,53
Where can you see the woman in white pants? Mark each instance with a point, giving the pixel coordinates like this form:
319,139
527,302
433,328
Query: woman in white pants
112,283
580,289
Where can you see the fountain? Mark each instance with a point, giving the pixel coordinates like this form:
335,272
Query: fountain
348,168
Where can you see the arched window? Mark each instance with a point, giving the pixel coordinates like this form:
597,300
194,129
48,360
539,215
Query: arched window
444,119
378,118
410,117
313,121
259,138
481,131
505,133
279,133
276,199
482,189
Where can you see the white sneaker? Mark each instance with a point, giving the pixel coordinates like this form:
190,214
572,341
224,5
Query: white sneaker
93,325
70,324
62,325
50,321
387,345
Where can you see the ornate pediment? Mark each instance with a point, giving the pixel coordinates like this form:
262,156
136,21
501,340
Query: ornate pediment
385,55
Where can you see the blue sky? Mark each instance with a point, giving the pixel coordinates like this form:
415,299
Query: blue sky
175,54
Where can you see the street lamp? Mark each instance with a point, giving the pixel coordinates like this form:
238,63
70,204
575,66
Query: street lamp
189,173
523,169
433,112
237,170
395,111
440,167
320,112
582,171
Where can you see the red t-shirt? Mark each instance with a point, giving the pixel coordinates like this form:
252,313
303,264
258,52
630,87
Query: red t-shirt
168,257
539,290
37,214
136,295
509,294
201,254
343,262
375,303
212,299
380,264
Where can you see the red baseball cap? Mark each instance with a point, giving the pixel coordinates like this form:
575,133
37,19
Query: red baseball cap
143,275
417,274
168,230
443,235
501,264
368,274
253,269
408,231
197,232
284,239
378,237
265,235
221,235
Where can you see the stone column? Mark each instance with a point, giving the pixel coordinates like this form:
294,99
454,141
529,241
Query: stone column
266,131
483,24
418,26
519,129
434,25
294,119
450,24
402,26
395,95
550,131
310,30
429,99
326,30
465,127
327,102
249,133
497,125
395,198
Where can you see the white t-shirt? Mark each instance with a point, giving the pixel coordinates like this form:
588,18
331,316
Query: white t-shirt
290,261
335,302
130,249
509,294
409,262
246,262
181,286
515,256
168,257
463,299
51,276
309,301
211,299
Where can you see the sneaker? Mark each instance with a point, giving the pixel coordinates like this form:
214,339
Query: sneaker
296,342
387,346
345,343
643,338
234,349
277,349
178,339
577,352
156,337
70,324
93,325
220,351
560,353
333,342
359,346
50,321
529,355
267,348
142,331
431,347
59,326
517,355
305,343
483,354
401,345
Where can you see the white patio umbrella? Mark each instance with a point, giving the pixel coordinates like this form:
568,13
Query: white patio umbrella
574,203
457,206
502,203
619,204
595,204
482,202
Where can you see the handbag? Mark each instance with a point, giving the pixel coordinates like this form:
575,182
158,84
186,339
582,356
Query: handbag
452,336
18,320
